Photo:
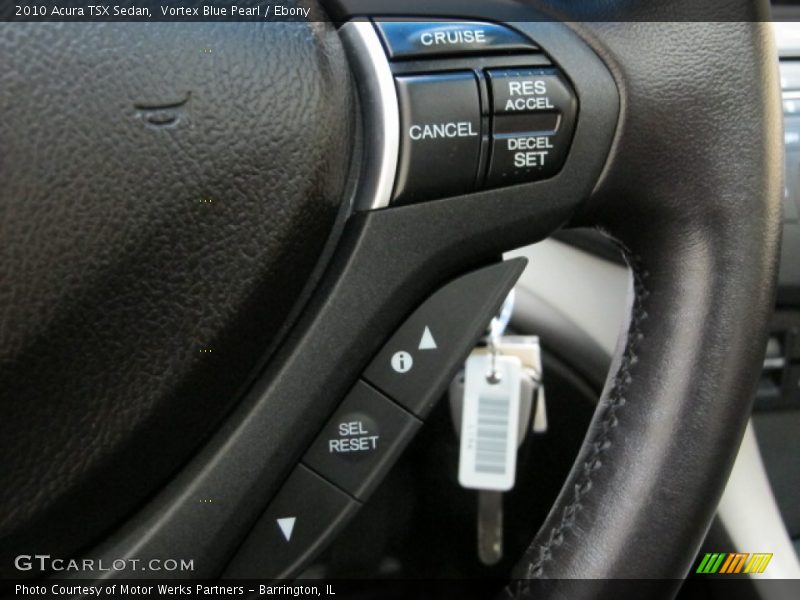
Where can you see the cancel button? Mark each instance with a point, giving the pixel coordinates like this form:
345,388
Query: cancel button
440,136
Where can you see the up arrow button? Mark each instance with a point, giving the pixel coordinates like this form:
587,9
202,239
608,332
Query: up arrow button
427,342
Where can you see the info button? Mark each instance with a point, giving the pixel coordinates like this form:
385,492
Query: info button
362,441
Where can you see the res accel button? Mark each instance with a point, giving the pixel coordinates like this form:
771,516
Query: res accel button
440,136
517,91
418,39
361,441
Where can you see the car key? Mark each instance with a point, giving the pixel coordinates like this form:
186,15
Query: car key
540,414
526,349
490,526
489,435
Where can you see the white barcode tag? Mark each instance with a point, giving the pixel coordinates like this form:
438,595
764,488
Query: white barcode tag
489,422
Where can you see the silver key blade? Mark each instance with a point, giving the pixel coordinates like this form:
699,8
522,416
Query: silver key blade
490,527
540,414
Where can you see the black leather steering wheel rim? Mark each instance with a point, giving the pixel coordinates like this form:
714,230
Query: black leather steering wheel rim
700,230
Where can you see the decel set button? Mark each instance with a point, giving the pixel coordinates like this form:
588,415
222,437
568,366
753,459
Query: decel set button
524,150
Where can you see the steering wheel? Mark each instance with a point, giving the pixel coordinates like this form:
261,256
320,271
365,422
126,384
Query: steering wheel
201,254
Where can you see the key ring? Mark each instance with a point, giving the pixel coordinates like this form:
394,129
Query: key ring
496,329
493,376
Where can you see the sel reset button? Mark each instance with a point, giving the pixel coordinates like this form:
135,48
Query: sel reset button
361,441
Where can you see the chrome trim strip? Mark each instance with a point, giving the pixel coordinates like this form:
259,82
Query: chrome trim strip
380,110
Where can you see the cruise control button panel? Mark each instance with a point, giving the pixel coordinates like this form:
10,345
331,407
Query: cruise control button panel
440,136
362,441
470,118
416,39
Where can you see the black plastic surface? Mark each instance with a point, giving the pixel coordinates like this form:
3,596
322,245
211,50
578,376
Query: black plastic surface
440,135
362,441
319,509
422,39
417,364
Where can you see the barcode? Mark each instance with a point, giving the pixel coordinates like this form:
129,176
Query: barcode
492,435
